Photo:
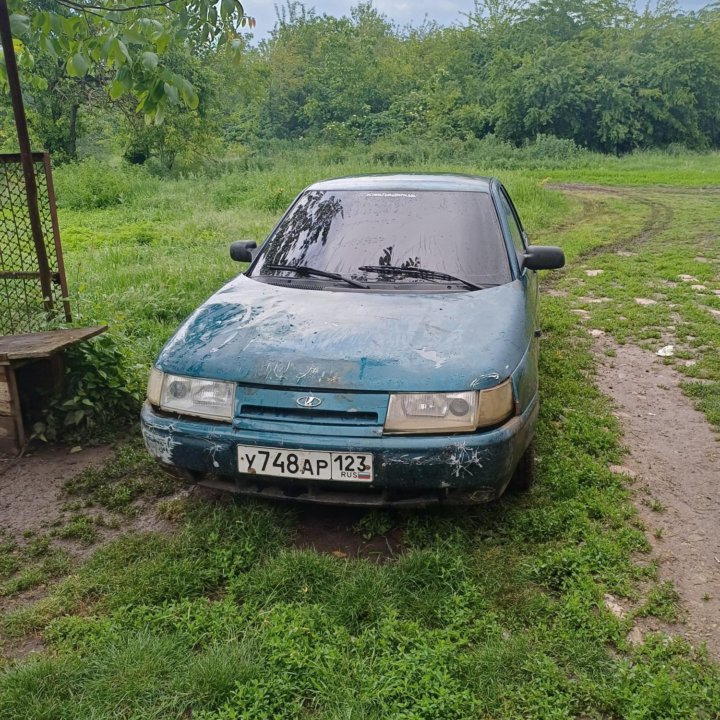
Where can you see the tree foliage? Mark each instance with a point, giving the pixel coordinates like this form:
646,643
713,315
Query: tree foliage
597,73
125,43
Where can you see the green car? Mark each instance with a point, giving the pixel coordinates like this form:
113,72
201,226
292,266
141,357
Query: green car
380,349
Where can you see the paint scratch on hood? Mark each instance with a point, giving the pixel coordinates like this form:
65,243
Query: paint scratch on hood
432,356
260,334
478,381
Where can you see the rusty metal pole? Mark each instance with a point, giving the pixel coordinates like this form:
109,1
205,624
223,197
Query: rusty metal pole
25,154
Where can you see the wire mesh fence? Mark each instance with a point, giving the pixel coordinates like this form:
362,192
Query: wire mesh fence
23,308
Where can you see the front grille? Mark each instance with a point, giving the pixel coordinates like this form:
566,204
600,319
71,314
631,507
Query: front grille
275,410
309,415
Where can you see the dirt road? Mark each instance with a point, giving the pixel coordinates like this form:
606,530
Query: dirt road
673,460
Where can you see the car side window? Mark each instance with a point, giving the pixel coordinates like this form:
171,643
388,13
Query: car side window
513,223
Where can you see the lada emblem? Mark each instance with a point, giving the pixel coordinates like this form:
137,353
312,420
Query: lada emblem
308,401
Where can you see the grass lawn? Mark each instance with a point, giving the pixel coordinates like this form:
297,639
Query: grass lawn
490,612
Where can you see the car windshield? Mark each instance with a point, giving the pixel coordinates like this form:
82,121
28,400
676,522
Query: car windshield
356,232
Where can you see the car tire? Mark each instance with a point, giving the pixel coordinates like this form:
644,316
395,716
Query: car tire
524,476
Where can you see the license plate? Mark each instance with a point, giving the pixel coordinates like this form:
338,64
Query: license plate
304,464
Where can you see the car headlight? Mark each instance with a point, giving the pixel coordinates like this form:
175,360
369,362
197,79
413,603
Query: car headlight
213,399
449,412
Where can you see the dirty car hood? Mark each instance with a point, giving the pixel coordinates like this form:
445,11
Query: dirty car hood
253,332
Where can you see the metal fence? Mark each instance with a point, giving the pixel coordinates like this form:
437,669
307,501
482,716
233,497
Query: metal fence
23,308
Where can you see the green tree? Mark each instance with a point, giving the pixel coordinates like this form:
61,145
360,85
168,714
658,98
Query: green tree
125,42
325,72
194,132
600,74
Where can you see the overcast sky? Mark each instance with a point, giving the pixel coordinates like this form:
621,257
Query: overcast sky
402,12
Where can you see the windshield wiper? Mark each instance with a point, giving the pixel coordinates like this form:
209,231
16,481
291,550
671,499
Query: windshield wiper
307,271
418,272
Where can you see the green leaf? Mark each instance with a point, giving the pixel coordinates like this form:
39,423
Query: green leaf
142,98
77,65
118,52
159,114
74,417
154,28
157,92
150,60
162,41
121,83
19,25
41,21
171,92
56,24
48,45
132,34
70,25
123,50
116,90
227,7
95,50
188,94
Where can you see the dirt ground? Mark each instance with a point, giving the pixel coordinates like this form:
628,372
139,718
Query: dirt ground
673,460
30,487
674,464
32,499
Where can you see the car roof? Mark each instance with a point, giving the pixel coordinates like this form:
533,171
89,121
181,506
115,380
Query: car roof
407,181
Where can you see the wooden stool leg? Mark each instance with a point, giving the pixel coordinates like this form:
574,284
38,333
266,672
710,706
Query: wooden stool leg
12,433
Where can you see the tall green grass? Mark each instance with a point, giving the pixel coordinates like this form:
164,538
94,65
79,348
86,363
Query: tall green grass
142,252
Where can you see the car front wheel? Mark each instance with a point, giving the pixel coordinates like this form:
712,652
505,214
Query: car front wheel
524,475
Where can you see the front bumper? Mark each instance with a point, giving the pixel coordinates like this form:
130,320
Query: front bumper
408,470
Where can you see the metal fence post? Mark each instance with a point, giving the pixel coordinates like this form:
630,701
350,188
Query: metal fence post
25,155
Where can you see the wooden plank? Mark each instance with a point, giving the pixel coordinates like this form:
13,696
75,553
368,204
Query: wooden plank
14,158
12,434
5,408
15,408
44,344
8,438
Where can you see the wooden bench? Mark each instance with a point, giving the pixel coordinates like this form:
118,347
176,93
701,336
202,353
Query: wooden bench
31,367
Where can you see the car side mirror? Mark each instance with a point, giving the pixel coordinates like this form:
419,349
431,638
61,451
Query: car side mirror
240,250
543,257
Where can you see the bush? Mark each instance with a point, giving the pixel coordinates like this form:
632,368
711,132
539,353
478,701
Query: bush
545,151
97,392
553,149
92,184
391,152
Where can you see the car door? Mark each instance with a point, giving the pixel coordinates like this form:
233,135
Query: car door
520,243
511,220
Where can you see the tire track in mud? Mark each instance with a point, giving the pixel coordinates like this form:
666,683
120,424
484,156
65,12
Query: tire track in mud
659,219
673,454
